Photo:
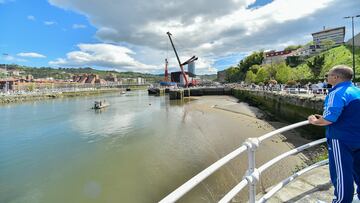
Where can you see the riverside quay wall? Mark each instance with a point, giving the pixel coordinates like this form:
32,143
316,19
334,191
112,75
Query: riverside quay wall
35,97
285,107
181,93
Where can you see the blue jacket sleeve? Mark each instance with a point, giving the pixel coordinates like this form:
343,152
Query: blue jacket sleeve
334,107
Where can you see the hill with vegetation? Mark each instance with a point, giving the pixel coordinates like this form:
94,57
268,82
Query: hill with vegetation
67,73
303,70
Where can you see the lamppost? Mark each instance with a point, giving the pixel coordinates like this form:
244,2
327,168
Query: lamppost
353,43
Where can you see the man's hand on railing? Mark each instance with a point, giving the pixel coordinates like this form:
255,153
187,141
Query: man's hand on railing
317,119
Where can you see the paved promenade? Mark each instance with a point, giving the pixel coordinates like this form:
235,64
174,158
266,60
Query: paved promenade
312,187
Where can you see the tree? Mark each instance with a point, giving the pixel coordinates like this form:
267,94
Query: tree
292,47
250,77
293,61
244,65
271,69
327,43
283,73
302,72
262,75
316,65
255,68
232,74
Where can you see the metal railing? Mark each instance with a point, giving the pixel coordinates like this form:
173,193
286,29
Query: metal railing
253,174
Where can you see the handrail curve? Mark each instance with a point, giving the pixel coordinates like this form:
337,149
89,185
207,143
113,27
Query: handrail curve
251,144
255,176
286,181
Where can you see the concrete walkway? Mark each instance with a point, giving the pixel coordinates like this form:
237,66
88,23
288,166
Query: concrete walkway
312,187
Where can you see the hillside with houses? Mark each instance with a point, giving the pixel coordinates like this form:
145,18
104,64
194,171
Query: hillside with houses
296,63
22,78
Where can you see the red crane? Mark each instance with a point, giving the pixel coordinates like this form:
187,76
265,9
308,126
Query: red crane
194,58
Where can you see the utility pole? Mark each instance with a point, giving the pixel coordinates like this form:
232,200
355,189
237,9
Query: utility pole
353,43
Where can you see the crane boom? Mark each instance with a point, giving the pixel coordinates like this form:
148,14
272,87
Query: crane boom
177,56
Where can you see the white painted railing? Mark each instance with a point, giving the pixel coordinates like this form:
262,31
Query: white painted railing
253,174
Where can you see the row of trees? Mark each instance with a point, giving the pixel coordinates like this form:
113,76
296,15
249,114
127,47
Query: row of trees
238,73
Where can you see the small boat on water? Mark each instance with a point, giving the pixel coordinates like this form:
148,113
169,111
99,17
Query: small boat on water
100,104
152,90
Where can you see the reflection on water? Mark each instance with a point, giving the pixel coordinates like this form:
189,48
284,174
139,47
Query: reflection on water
136,150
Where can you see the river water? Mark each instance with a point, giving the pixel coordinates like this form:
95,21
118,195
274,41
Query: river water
137,150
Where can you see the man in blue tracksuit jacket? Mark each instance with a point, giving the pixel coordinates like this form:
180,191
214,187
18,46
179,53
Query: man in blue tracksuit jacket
341,117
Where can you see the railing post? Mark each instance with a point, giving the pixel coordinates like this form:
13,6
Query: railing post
252,144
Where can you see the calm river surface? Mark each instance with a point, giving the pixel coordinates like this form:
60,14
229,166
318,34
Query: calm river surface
137,150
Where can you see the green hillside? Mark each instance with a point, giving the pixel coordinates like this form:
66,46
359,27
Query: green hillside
310,69
67,73
339,55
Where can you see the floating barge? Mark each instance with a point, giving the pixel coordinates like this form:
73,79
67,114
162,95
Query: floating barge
175,94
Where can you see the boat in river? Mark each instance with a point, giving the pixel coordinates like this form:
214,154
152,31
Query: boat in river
100,104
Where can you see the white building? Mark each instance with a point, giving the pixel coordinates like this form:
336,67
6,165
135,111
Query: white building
336,35
356,40
140,81
273,57
3,71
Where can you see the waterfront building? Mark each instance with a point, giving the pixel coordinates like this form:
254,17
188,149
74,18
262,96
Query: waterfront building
88,79
3,71
140,81
336,35
14,72
273,57
29,78
8,84
221,75
111,78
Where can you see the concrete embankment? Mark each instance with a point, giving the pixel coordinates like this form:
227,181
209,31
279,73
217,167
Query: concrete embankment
22,98
285,107
181,93
290,108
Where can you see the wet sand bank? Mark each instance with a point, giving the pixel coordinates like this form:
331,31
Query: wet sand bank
225,124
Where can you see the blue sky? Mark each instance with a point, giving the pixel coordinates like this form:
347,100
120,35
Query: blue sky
129,35
36,26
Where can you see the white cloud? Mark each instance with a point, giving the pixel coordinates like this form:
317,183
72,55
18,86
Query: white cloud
49,23
103,55
12,58
210,28
31,55
30,17
78,26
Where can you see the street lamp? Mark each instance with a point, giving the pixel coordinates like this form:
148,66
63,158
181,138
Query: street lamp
353,43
